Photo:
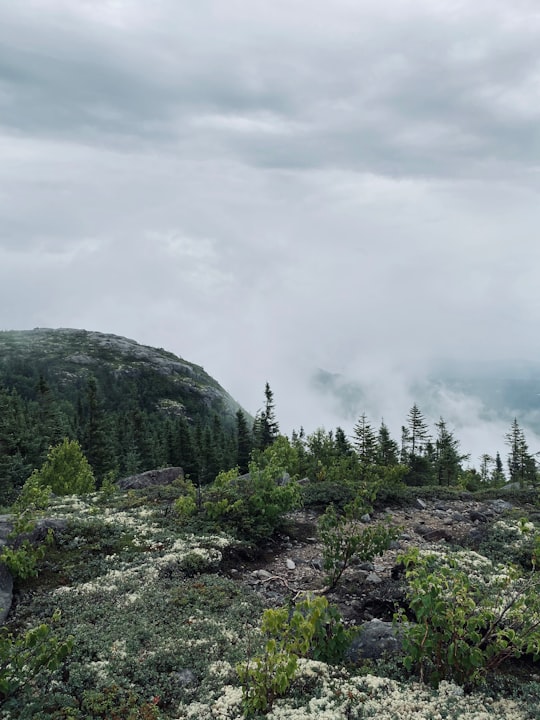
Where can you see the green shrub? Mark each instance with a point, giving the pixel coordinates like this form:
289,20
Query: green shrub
252,505
313,629
66,470
186,505
320,494
35,651
22,561
34,495
346,536
467,623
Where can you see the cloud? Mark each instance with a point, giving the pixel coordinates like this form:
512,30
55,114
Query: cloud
271,188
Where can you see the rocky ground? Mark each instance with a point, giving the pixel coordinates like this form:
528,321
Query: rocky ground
366,590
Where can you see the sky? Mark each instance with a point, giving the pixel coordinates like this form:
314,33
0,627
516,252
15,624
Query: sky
272,189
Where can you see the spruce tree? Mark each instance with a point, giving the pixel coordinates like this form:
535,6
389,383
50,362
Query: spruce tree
365,441
387,448
244,442
447,456
265,427
521,464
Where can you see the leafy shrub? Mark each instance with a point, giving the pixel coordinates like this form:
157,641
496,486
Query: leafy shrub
66,470
22,561
186,505
114,703
467,625
253,504
345,536
34,495
314,629
321,494
22,657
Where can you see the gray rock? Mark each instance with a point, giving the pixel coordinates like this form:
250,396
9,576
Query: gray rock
39,533
317,564
369,566
291,565
262,574
420,504
375,639
373,578
166,476
476,516
6,592
458,517
366,518
500,505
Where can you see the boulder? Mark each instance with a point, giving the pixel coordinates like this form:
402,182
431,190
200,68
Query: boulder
166,476
375,639
39,533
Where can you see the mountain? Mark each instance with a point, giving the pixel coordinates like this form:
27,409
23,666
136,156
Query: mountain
66,358
131,407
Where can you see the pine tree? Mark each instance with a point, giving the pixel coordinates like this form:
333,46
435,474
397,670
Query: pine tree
498,477
99,434
244,442
365,441
417,432
265,427
343,446
387,449
521,464
447,456
416,450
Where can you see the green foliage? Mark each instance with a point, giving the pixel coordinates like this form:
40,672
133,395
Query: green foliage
346,536
313,629
21,658
254,504
115,703
466,626
34,495
66,470
22,561
323,493
108,487
186,505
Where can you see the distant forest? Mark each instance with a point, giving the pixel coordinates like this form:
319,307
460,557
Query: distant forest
125,432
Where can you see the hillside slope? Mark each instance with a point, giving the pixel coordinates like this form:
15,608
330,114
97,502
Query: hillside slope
131,407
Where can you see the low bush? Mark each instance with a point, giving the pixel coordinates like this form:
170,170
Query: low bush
345,537
467,621
33,652
312,629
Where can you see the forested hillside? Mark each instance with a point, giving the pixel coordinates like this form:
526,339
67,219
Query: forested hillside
131,407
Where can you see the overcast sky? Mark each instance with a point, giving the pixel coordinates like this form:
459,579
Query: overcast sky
267,188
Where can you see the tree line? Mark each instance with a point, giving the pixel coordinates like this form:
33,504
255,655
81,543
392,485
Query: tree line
129,439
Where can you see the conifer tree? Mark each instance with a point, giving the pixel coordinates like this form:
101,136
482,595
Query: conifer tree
343,446
265,427
521,464
365,441
498,476
447,455
387,448
243,442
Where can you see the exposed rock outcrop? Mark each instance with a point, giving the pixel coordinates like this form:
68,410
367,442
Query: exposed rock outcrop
150,478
